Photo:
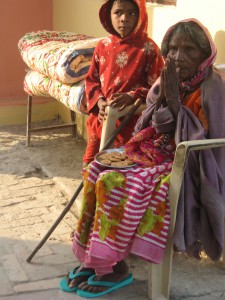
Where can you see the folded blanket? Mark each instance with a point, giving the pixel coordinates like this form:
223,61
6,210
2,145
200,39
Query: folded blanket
63,56
71,95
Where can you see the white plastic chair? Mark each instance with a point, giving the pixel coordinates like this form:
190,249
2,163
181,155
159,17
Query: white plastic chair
159,275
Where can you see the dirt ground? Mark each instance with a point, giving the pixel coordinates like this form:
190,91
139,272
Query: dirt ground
56,154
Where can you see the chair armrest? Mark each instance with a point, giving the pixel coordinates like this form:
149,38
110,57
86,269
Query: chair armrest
178,169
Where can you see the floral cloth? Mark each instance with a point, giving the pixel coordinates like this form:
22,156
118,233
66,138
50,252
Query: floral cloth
124,211
71,95
60,55
58,62
148,148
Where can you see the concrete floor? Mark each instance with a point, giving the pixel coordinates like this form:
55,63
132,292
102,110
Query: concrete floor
35,185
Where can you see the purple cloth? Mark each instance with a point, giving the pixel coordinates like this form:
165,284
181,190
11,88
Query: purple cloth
201,207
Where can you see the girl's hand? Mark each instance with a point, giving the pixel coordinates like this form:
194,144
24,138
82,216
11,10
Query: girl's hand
101,105
120,100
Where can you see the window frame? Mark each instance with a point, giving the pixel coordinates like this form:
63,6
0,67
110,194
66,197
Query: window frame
172,3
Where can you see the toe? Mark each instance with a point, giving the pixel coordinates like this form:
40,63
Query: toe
82,285
72,283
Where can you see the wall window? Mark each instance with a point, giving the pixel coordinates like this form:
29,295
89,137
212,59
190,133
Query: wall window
163,2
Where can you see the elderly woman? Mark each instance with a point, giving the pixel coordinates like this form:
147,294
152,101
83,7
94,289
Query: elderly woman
192,96
127,210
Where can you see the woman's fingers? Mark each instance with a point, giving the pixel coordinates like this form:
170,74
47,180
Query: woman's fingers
171,79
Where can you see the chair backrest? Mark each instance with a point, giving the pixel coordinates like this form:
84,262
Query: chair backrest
109,124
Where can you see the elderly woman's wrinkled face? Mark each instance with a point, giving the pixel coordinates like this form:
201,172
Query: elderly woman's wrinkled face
187,54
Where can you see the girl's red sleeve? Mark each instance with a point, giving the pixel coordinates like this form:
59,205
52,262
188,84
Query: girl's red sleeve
155,64
92,82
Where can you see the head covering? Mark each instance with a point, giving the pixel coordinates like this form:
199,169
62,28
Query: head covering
142,24
190,85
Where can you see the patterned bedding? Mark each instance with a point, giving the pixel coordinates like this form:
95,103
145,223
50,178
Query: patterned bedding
73,96
63,56
58,63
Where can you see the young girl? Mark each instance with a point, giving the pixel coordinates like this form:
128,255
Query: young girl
124,67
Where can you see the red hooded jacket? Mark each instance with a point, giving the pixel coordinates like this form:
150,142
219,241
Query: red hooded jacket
120,65
123,65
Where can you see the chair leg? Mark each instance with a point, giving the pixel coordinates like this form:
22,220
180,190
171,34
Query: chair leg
109,126
159,276
223,258
29,112
73,121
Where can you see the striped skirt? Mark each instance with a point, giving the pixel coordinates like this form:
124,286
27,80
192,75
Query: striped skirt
123,211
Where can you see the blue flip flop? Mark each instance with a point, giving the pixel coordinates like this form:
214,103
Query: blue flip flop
72,274
112,286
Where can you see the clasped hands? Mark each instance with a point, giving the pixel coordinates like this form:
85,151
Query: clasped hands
169,87
120,100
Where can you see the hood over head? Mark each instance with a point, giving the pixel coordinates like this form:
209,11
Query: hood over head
204,66
165,43
142,24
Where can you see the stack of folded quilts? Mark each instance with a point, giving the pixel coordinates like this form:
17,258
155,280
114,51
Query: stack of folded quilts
58,62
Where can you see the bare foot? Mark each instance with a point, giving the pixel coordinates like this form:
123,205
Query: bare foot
76,281
72,234
120,272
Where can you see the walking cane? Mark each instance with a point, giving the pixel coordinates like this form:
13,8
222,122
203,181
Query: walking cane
70,203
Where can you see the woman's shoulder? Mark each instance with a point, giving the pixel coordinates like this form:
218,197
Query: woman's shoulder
215,78
220,68
213,90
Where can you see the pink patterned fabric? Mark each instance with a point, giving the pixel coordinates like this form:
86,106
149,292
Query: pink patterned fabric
124,211
60,55
71,95
148,148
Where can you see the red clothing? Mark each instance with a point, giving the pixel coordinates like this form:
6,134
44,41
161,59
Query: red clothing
120,65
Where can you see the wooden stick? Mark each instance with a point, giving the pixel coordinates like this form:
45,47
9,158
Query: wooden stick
79,188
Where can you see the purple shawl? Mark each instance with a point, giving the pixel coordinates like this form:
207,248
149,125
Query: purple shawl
201,207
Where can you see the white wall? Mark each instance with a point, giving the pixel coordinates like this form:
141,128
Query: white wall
81,16
209,13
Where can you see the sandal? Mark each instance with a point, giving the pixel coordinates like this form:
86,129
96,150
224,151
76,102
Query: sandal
112,286
72,275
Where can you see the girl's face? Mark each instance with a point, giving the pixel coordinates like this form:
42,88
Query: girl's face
124,17
188,56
